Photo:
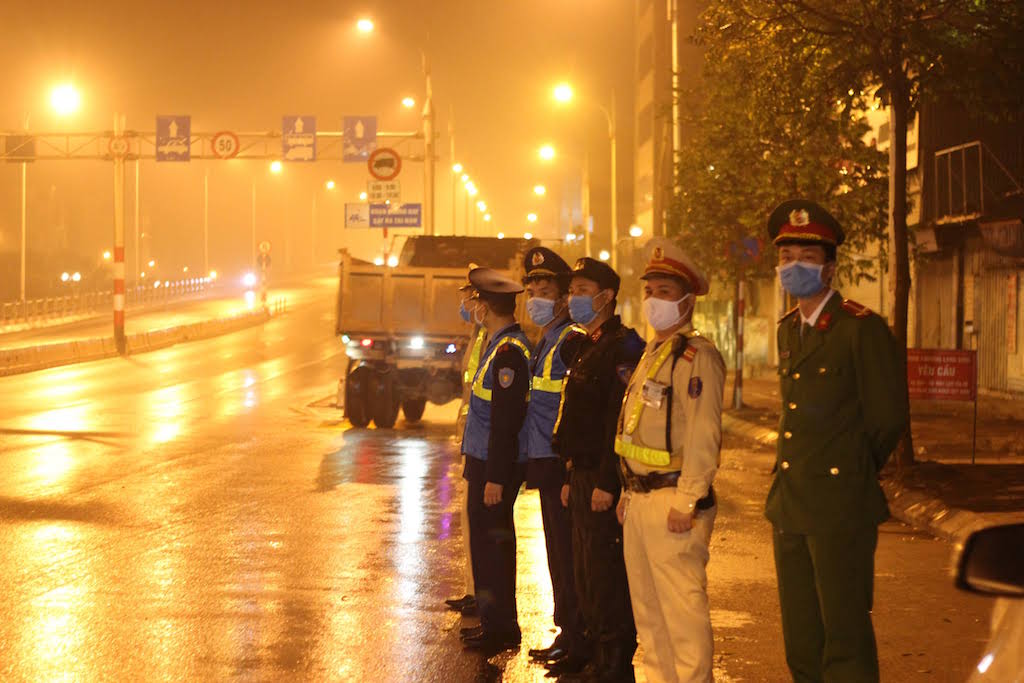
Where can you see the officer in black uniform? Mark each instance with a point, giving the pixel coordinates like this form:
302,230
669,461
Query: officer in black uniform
495,460
585,440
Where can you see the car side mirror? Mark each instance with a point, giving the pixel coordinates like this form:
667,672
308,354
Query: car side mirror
992,561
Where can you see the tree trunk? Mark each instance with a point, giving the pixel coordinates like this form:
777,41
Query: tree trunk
739,310
899,253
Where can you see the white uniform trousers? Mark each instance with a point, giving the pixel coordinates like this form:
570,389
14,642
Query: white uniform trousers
668,587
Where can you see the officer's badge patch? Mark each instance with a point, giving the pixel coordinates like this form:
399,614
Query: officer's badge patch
538,258
658,254
580,264
799,218
695,387
505,377
624,372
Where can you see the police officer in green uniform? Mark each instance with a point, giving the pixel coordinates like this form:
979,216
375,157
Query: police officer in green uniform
495,460
844,409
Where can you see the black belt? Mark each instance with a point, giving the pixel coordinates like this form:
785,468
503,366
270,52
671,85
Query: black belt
645,483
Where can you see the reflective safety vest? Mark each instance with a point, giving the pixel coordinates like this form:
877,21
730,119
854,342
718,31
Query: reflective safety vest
478,421
629,421
472,363
545,397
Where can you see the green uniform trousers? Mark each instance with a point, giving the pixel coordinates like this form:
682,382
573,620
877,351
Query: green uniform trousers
825,592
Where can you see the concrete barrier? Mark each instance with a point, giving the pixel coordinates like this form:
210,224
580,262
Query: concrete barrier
31,358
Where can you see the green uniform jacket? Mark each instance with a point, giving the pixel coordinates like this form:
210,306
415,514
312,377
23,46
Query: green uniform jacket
844,409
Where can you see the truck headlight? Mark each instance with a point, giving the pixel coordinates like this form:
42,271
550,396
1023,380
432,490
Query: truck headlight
416,343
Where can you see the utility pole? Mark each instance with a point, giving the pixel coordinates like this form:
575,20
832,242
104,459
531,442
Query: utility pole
451,153
428,151
138,239
206,222
119,337
24,218
615,188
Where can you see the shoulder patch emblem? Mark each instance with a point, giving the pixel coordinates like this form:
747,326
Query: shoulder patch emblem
689,354
695,387
856,309
624,372
505,377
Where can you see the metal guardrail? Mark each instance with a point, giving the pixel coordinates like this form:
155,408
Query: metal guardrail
62,307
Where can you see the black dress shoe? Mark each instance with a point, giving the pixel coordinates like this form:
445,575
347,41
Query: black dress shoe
567,666
470,610
491,643
471,631
456,604
556,654
543,654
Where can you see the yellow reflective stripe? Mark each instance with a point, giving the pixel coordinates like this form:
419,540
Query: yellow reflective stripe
633,419
648,456
544,382
474,357
478,384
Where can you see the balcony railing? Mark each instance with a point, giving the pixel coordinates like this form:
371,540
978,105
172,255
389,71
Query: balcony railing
970,179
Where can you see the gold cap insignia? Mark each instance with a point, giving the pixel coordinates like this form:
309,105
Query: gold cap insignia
538,258
799,218
580,264
658,254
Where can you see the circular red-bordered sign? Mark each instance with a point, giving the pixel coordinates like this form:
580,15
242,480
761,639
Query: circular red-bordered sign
225,145
384,164
118,147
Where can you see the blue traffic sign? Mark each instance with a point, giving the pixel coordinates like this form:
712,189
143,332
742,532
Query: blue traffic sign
173,138
359,137
396,215
298,138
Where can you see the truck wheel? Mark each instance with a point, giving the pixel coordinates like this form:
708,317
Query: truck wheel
413,409
357,391
383,402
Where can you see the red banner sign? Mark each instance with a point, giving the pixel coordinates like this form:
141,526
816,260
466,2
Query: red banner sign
942,374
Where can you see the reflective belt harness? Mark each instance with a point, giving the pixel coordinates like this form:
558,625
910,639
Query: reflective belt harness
478,384
544,382
624,445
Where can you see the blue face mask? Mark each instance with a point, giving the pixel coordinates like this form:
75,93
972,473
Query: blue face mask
802,280
581,309
541,311
466,315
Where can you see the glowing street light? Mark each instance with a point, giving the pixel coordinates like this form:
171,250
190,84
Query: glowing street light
636,231
487,218
562,92
65,99
501,235
457,168
546,152
151,263
276,166
362,196
464,178
532,217
527,235
365,25
64,277
604,255
540,190
408,102
106,255
482,205
471,189
76,276
330,185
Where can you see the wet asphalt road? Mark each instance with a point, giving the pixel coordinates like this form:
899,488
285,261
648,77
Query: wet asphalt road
201,513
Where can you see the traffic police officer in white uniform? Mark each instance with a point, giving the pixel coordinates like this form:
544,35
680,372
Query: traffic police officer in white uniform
668,439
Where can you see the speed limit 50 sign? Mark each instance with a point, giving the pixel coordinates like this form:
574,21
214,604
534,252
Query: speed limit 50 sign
225,145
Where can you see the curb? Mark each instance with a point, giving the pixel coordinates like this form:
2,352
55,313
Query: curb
31,358
911,506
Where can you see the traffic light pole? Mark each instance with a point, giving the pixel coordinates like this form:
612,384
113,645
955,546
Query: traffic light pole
428,151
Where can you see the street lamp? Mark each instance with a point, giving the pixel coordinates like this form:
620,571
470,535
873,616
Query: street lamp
362,196
487,218
408,102
330,185
540,190
604,255
457,168
636,231
365,25
482,205
546,152
532,217
65,99
563,93
276,166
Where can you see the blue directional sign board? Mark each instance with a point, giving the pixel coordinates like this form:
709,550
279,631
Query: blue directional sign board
298,138
359,137
396,215
173,138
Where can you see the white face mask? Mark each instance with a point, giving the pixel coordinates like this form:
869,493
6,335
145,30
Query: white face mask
663,314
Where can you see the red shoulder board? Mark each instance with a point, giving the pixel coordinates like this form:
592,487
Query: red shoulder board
855,309
689,354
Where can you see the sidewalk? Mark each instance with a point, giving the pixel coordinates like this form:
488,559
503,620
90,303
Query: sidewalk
942,493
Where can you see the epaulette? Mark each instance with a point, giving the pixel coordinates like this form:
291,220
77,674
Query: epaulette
690,353
789,313
855,309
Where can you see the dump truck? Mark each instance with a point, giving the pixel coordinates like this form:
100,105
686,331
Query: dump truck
399,321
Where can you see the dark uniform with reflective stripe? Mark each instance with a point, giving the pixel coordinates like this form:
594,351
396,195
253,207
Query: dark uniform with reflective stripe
844,409
585,440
